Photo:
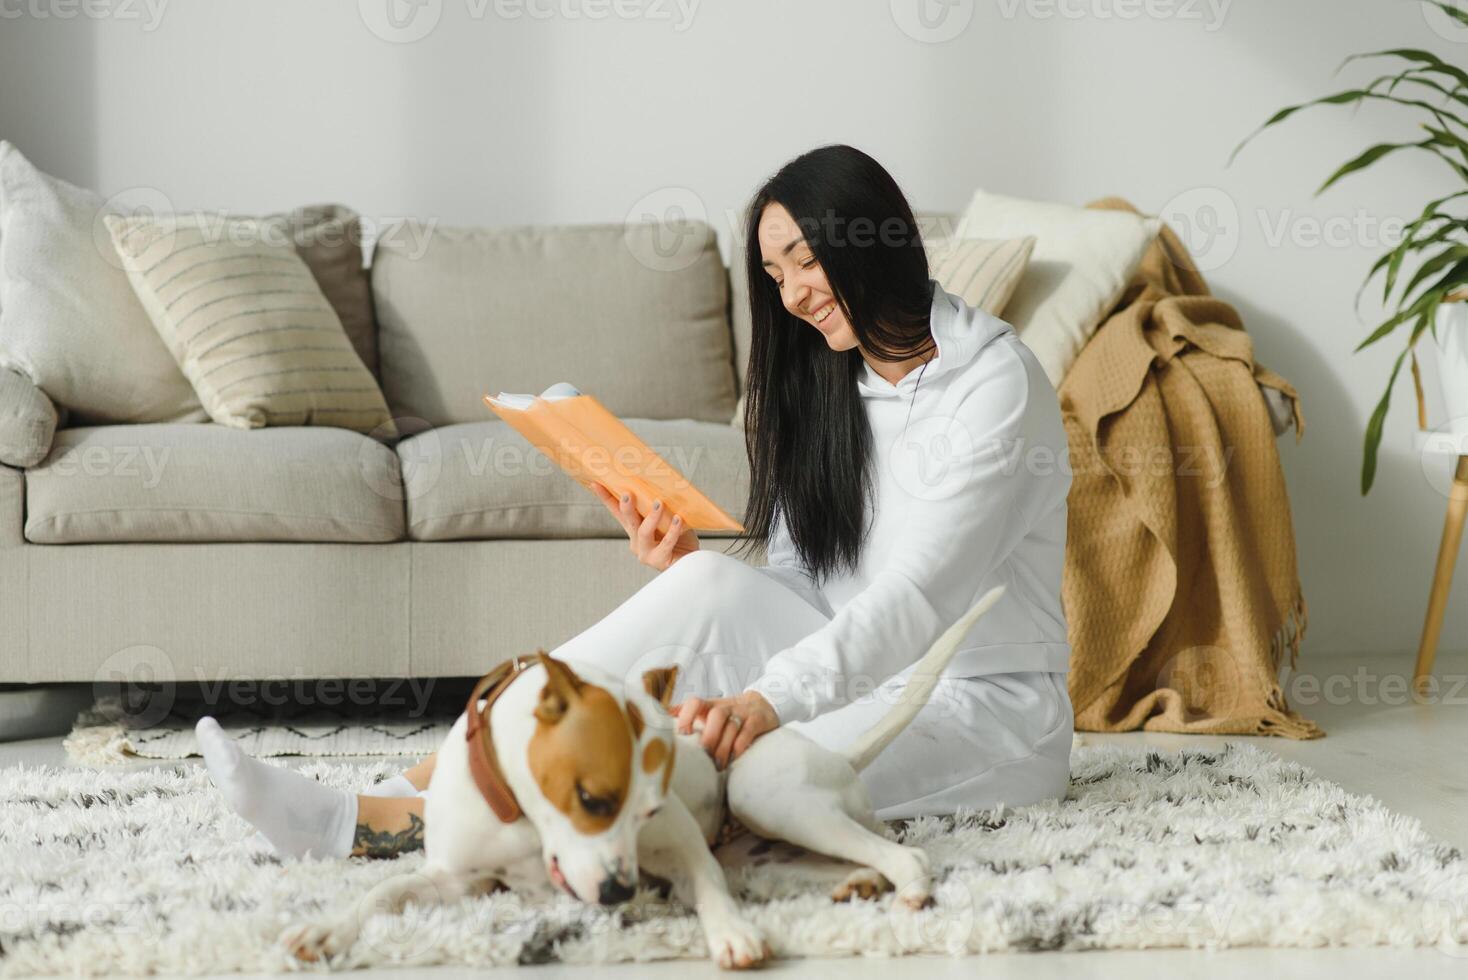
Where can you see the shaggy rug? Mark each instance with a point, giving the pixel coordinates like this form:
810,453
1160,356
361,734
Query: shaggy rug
145,872
110,733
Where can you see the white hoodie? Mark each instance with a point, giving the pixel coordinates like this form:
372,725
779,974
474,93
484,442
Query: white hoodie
969,493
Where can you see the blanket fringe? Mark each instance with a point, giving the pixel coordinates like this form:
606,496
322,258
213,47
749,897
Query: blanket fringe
99,745
1279,718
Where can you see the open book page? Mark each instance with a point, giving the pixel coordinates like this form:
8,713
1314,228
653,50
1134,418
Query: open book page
555,392
591,444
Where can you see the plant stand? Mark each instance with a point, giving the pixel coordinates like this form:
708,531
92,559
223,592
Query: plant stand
1452,440
1442,578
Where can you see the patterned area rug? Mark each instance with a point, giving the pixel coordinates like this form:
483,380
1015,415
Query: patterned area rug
113,732
143,871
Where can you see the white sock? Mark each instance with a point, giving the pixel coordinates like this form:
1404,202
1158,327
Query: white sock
299,816
392,786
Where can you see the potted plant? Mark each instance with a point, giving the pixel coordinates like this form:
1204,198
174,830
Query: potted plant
1436,241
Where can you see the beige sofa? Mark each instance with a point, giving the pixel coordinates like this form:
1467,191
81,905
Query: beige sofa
194,552
200,552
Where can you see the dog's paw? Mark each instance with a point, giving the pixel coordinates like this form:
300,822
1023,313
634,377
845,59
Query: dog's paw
736,945
916,889
313,942
863,883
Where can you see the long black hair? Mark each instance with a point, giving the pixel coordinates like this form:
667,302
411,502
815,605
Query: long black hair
809,445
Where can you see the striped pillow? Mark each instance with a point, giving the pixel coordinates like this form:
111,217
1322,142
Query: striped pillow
246,321
983,272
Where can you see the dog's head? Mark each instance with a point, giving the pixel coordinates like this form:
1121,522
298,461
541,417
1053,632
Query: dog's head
600,759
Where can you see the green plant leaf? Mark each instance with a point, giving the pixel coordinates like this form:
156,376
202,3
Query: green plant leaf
1348,97
1339,98
1367,158
1374,426
1413,245
1457,167
1440,113
1416,56
1393,259
1403,314
1451,141
1451,254
1428,317
1415,77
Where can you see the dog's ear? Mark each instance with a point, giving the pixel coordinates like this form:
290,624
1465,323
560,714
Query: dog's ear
659,682
562,685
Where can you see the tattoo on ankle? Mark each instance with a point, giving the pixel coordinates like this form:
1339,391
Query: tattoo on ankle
374,843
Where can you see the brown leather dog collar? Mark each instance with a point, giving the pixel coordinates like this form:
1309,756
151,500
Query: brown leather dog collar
483,764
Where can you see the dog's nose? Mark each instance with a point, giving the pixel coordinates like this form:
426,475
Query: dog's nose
615,890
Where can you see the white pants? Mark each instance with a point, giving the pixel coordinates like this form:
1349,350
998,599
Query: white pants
981,741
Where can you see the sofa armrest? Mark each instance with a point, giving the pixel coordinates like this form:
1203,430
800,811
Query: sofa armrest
14,579
27,420
12,508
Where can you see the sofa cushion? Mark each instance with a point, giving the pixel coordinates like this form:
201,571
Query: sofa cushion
329,238
482,480
27,420
464,312
213,483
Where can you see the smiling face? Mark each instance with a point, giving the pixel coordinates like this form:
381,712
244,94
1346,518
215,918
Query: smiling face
804,291
601,771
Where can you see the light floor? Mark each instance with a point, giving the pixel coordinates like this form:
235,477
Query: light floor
1411,756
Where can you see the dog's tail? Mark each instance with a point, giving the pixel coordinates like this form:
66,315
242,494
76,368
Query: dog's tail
919,686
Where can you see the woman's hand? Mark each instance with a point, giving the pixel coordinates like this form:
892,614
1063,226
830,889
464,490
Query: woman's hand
730,725
642,531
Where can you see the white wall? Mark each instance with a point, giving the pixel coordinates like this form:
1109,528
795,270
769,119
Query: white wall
495,118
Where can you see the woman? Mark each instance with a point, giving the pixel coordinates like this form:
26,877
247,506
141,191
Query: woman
906,455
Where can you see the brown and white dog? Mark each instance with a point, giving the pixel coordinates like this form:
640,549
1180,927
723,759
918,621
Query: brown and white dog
574,780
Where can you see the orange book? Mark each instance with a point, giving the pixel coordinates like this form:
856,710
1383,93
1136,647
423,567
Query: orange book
579,435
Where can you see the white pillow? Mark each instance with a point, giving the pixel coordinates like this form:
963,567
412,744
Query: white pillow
1081,264
68,318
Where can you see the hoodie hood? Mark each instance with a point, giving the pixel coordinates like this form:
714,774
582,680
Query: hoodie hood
959,331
